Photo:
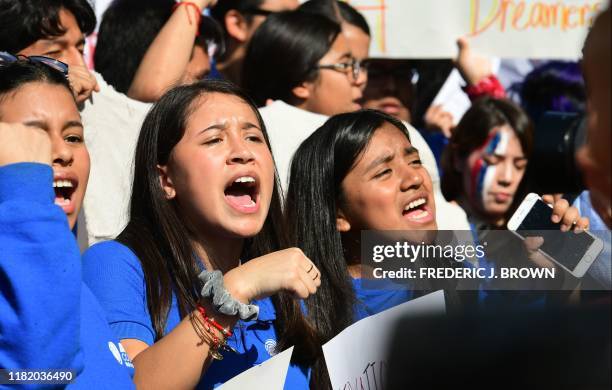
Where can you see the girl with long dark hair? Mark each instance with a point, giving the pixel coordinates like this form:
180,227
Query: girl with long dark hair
359,171
205,197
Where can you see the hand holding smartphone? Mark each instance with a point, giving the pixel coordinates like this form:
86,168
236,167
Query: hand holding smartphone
572,251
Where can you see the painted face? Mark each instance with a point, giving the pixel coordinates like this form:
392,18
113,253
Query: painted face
67,47
333,92
52,108
388,188
494,172
221,172
389,87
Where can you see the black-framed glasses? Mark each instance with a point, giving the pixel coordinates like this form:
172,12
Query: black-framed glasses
7,58
353,67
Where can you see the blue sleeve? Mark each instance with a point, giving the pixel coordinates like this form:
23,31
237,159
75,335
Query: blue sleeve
40,274
114,274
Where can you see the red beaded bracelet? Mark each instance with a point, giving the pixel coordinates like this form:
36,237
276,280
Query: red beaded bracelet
226,332
198,13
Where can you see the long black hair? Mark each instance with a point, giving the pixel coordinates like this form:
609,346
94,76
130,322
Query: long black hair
157,232
284,52
315,193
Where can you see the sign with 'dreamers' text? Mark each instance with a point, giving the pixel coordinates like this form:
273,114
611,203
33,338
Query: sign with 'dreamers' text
502,28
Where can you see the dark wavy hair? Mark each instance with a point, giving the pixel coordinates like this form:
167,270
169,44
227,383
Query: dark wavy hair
283,53
16,74
158,235
26,21
473,130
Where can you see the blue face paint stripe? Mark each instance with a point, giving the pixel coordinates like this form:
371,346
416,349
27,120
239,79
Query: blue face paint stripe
490,149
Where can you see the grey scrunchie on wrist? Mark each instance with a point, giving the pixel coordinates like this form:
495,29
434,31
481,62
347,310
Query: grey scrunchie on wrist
222,301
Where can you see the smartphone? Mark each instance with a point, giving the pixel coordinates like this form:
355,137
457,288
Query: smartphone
572,251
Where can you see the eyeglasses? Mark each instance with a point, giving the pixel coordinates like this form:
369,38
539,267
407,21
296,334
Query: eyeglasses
353,67
7,58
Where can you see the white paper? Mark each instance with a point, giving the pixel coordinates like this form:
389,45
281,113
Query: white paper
356,357
451,96
270,375
502,28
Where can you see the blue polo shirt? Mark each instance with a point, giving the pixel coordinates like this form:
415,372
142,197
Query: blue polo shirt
114,274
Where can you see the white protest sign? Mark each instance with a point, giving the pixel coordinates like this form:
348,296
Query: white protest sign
356,357
502,28
270,375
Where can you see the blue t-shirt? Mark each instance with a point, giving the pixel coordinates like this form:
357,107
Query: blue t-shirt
114,274
49,319
375,296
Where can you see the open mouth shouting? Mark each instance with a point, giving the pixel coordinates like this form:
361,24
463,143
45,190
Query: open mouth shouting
417,209
65,186
242,193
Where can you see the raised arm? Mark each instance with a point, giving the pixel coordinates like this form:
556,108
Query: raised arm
477,71
166,60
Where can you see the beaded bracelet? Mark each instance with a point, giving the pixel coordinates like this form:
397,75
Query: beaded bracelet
208,335
226,332
198,327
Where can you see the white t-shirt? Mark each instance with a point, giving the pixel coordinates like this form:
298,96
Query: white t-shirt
112,124
289,126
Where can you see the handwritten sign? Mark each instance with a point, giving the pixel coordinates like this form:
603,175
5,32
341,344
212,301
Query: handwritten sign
270,375
502,28
356,357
